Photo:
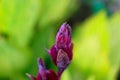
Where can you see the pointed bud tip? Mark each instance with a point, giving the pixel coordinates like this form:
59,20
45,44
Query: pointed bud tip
41,63
30,76
47,50
64,26
63,37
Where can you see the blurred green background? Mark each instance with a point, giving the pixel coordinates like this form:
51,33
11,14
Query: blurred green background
27,27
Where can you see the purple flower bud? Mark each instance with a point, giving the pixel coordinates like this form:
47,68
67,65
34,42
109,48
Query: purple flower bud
43,74
63,38
61,52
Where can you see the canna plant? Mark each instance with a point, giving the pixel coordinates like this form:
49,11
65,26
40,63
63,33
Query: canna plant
61,54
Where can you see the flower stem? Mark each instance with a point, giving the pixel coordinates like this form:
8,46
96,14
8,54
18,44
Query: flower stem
59,73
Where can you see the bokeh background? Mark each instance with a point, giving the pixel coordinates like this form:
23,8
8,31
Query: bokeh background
28,27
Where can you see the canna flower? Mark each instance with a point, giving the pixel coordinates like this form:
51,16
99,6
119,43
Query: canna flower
43,74
61,52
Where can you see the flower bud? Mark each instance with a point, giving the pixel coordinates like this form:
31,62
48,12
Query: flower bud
43,74
61,52
63,38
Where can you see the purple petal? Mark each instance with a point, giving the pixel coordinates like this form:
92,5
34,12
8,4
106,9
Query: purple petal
62,59
39,77
51,75
41,64
63,38
69,52
41,72
53,53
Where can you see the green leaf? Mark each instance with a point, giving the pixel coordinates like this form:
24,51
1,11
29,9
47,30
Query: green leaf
114,30
55,10
17,18
91,47
43,40
12,60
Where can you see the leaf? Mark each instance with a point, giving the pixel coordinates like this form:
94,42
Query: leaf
114,30
17,18
55,11
91,47
12,60
66,75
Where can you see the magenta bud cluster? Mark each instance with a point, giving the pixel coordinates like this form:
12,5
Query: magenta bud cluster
61,54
